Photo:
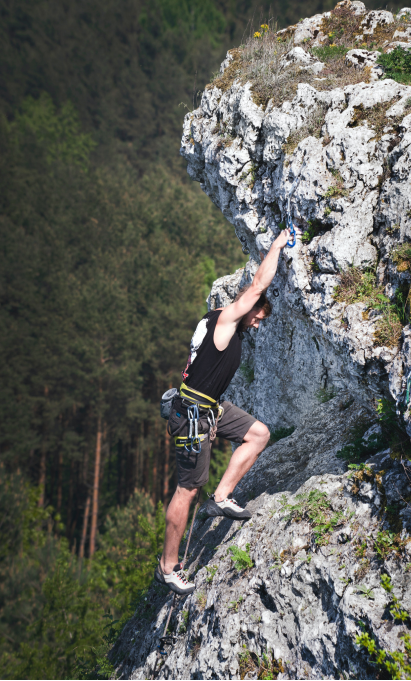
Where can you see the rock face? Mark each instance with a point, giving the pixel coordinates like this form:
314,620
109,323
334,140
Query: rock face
303,591
311,341
304,594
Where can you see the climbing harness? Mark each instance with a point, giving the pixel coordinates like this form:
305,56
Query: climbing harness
293,234
194,402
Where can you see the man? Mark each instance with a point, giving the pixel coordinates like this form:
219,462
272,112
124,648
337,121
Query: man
214,358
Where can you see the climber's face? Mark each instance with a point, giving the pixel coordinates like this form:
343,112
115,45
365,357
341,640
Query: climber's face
253,318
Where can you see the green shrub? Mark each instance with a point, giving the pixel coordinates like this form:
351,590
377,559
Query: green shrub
328,53
314,506
397,65
240,558
247,371
280,433
326,394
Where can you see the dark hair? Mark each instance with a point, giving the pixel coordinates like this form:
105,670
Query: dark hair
262,303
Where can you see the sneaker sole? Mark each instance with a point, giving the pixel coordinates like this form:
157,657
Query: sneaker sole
179,591
213,511
244,515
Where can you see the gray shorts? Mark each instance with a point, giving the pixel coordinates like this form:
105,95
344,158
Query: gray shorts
192,468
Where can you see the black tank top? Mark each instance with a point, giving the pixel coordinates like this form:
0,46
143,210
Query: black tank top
210,370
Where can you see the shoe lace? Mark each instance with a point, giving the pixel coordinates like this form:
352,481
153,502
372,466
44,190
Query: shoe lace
233,501
181,575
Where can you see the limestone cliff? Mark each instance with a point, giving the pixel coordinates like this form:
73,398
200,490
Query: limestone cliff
309,583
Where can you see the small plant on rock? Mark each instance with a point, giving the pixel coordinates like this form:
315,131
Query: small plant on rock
247,371
315,507
184,624
324,395
234,605
211,572
264,667
401,257
397,610
387,542
279,434
365,591
397,65
240,558
202,599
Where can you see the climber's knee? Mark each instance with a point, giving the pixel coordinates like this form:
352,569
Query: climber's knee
258,435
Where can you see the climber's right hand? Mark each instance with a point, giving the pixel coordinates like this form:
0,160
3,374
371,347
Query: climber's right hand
282,238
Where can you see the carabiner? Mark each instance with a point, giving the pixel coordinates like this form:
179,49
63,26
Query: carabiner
290,225
293,234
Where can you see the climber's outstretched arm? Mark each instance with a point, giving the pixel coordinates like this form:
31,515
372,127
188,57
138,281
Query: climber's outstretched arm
232,314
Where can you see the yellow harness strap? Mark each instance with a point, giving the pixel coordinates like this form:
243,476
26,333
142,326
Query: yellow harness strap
181,441
185,392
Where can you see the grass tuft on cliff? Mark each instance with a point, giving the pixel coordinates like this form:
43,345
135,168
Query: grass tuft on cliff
357,286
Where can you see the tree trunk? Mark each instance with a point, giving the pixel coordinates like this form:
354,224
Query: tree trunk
85,526
146,455
166,467
42,475
135,464
60,482
94,512
154,482
70,499
43,452
119,467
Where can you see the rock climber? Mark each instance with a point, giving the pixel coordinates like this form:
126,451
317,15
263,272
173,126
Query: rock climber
215,355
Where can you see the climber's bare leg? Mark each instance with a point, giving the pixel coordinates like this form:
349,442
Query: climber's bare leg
176,522
255,440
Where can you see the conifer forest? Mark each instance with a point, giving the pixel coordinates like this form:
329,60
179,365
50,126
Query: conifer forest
108,253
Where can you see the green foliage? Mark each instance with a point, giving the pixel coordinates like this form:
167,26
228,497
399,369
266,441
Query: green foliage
185,615
365,591
240,558
401,257
326,394
397,65
397,663
358,286
60,616
314,506
234,605
328,53
279,433
211,572
314,227
247,370
264,667
58,132
385,543
358,449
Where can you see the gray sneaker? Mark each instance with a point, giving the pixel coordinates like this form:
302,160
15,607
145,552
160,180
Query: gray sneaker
228,508
176,580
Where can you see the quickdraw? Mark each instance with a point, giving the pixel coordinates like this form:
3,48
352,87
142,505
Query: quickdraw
193,416
290,226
